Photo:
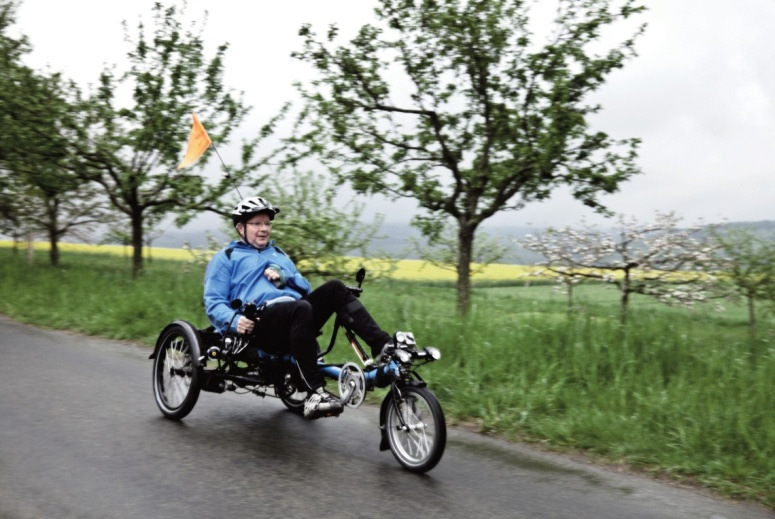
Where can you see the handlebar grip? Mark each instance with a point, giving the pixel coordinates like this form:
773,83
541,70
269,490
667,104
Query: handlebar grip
250,311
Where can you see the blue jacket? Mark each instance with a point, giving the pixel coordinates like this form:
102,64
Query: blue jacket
237,272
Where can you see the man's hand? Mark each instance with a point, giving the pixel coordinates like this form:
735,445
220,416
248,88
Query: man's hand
244,325
275,276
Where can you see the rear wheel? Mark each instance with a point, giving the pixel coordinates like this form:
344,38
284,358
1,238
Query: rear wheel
176,380
415,428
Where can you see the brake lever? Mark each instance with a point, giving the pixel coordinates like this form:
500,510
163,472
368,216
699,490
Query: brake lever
356,291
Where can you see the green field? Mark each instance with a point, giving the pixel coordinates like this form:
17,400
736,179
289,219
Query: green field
681,393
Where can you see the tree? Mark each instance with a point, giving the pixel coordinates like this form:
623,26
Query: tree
73,210
11,51
40,193
566,275
748,265
454,104
132,151
58,201
659,259
318,231
12,205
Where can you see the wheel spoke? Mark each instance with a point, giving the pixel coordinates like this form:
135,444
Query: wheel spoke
176,377
416,435
413,430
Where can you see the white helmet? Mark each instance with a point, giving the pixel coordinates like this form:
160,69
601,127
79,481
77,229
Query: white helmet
250,206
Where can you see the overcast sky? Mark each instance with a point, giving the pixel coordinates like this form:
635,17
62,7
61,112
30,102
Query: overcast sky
701,93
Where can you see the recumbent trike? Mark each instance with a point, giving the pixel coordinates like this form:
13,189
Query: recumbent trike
188,360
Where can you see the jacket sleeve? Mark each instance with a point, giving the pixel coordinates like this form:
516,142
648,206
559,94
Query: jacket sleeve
295,280
299,282
291,275
216,293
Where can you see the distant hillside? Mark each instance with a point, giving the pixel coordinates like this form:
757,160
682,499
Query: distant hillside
760,226
395,240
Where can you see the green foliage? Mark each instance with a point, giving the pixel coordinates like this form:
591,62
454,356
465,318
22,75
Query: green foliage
456,105
683,393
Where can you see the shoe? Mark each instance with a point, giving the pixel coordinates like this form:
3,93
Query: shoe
321,403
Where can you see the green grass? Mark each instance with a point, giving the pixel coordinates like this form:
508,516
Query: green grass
682,393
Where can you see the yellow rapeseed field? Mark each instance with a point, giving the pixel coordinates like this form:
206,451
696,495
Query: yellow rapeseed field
419,270
405,269
118,250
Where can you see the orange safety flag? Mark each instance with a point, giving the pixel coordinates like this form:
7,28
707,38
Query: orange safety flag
198,142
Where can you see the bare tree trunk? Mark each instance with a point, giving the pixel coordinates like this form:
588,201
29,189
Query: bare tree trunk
30,249
53,253
751,315
465,253
53,236
623,310
625,296
137,244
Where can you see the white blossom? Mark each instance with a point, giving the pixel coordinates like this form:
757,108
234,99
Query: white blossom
658,259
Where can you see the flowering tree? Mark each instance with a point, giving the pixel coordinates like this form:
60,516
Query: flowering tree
566,276
658,259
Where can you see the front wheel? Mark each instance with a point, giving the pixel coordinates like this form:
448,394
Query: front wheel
176,381
415,428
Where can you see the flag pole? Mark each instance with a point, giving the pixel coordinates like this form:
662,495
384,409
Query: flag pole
226,171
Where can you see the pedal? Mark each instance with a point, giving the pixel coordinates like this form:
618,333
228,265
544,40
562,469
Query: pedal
333,413
325,414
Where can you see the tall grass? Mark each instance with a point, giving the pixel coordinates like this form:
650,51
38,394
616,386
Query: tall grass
683,393
94,294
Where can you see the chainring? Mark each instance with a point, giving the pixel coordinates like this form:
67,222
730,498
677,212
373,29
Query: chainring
351,378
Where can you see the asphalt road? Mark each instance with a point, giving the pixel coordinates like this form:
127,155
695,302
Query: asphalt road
80,436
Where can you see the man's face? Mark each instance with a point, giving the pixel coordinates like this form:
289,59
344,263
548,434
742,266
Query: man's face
256,230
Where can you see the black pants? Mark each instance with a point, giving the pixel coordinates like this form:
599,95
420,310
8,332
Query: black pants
293,327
